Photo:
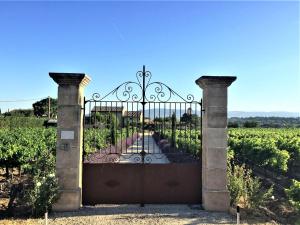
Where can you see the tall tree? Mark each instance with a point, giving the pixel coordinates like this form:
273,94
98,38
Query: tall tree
41,108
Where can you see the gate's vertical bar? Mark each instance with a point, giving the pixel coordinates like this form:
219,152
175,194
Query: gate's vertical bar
180,126
110,127
195,128
143,142
121,127
159,121
175,128
116,128
154,120
137,125
132,130
164,126
127,125
94,123
170,121
143,117
148,126
191,119
83,125
186,118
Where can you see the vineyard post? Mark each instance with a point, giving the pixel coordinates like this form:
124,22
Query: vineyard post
215,195
69,138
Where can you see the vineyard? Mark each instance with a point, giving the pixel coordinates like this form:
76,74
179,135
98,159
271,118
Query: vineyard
20,147
273,149
276,151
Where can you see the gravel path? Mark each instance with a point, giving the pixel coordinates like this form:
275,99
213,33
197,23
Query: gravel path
154,153
135,215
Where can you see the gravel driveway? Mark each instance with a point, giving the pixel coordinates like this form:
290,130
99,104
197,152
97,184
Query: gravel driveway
134,215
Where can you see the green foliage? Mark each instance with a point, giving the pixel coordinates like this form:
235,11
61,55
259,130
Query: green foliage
272,149
43,191
40,108
268,122
293,194
250,124
21,146
15,122
19,113
236,184
188,139
233,125
245,189
190,118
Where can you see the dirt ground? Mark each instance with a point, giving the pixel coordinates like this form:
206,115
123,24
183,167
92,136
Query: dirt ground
278,210
134,214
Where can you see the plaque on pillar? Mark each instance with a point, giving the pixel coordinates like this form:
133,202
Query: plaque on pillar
67,135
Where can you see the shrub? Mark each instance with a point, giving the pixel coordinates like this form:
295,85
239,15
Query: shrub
245,189
236,184
293,194
43,191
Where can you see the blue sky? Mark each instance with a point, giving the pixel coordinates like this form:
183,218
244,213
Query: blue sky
178,42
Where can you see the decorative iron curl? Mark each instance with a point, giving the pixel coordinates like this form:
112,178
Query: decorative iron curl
135,156
163,93
148,159
96,96
126,91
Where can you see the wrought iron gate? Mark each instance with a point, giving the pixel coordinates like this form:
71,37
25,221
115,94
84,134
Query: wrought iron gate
142,144
120,119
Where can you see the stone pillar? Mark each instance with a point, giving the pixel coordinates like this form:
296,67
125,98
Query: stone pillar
215,195
69,138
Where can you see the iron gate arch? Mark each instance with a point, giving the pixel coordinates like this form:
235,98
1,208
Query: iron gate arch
127,95
143,145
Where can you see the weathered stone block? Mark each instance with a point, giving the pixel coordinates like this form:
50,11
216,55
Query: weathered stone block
216,117
70,116
68,177
216,200
69,95
69,200
67,157
216,158
215,138
215,179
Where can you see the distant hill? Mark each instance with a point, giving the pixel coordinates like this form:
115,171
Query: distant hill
262,114
239,114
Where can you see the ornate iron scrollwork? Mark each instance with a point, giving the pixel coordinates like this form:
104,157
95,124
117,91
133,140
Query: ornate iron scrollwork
129,95
137,91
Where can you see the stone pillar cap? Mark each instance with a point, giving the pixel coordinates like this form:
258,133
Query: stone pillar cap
221,81
70,78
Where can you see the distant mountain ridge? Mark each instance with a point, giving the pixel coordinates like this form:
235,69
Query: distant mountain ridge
240,114
262,114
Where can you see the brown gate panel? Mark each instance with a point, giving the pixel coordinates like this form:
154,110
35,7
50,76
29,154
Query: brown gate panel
141,183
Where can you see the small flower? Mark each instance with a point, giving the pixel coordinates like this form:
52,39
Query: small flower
51,175
38,184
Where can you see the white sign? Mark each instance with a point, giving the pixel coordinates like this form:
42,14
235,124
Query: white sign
67,135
